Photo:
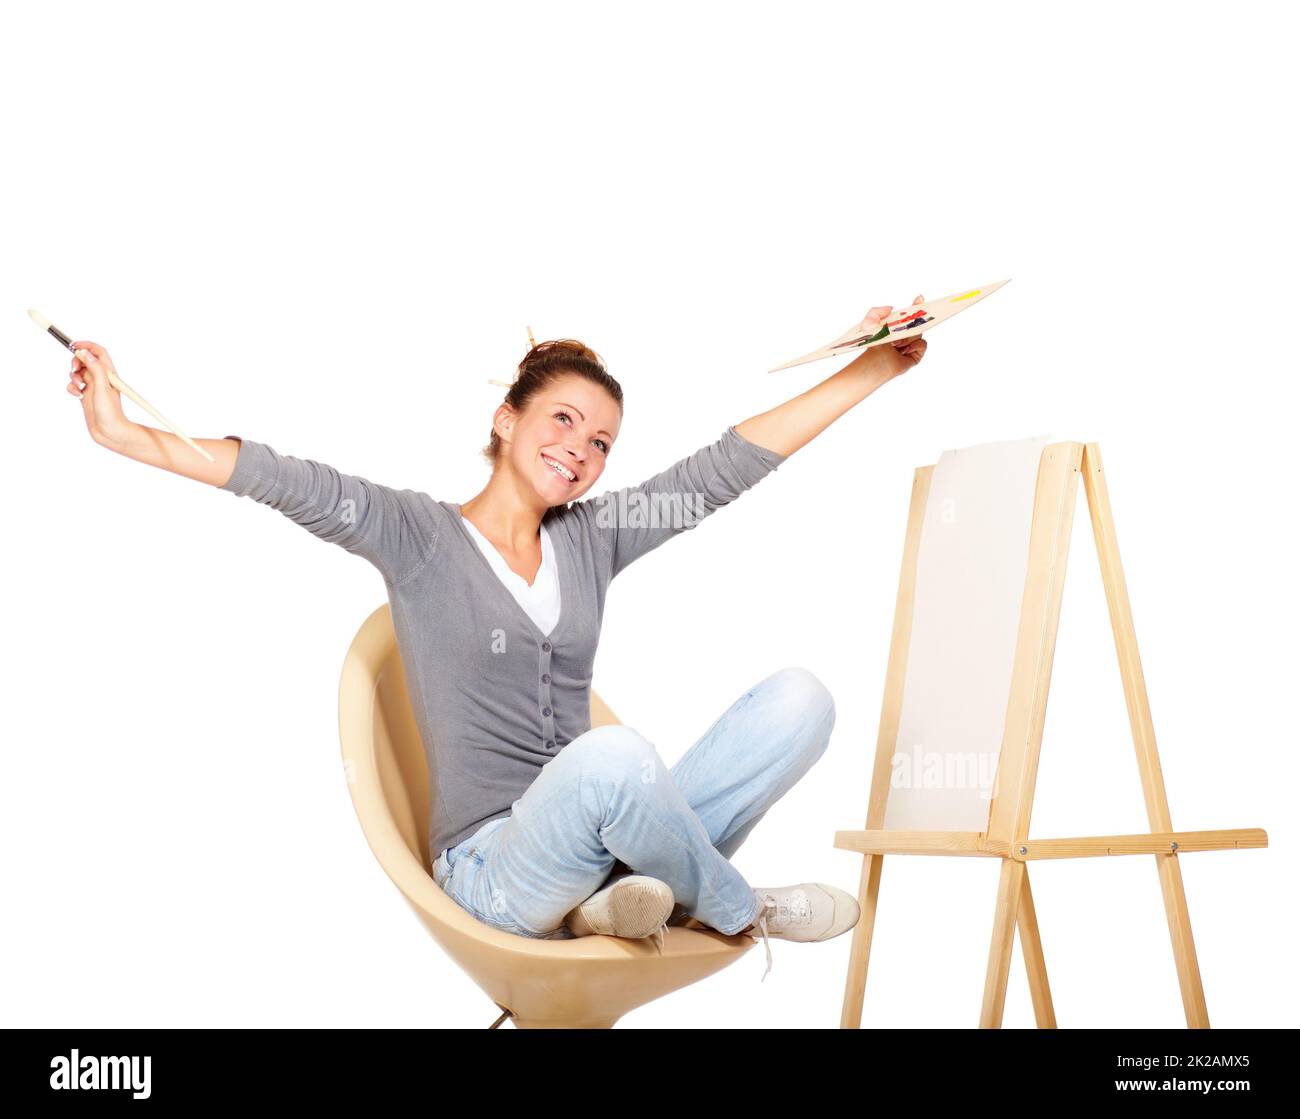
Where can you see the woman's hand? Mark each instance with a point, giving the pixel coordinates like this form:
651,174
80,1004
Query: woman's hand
101,403
791,425
889,361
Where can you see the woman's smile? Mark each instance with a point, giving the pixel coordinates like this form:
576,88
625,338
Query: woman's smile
566,474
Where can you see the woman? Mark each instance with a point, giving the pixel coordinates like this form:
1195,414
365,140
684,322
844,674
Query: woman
544,826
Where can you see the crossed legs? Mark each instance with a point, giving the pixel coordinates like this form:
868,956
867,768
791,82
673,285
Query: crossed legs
607,798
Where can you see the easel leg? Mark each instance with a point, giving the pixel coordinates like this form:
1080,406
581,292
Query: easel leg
1031,947
1180,932
1011,888
1144,737
860,951
1026,712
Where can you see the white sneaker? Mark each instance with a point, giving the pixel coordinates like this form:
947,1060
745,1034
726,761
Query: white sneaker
807,912
632,905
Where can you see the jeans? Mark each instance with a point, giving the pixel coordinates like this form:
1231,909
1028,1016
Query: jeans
607,799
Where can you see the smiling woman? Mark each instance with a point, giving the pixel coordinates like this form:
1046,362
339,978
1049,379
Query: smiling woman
541,366
497,604
551,438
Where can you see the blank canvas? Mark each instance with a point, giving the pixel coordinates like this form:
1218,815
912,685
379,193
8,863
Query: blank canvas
970,578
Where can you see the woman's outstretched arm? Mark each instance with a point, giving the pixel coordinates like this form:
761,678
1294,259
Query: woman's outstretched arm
395,530
637,519
788,426
101,404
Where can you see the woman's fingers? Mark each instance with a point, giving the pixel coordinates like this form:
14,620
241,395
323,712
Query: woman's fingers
883,312
95,356
94,368
94,362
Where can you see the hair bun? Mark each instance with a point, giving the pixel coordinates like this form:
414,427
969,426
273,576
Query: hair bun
561,347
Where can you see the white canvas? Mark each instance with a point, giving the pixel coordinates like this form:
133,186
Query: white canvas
970,578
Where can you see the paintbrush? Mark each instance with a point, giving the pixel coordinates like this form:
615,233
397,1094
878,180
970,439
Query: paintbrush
117,382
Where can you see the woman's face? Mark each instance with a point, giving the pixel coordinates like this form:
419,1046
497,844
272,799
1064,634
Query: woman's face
572,424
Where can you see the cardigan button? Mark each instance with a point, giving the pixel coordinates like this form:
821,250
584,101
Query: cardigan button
546,677
546,646
550,744
546,710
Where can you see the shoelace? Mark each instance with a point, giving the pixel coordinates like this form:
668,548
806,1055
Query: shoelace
768,903
659,936
795,912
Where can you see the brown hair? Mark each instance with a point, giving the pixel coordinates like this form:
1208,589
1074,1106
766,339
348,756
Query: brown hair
545,363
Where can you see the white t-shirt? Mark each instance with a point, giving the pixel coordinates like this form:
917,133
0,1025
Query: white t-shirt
541,601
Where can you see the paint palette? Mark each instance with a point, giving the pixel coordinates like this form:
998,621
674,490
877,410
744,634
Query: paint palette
903,322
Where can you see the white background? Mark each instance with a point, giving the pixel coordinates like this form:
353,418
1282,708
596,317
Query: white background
325,226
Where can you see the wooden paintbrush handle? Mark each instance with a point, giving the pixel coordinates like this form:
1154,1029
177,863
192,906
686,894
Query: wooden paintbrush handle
127,390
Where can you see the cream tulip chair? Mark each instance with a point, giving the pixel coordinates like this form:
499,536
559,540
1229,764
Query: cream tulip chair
585,982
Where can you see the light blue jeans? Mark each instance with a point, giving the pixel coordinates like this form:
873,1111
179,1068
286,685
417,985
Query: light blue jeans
607,799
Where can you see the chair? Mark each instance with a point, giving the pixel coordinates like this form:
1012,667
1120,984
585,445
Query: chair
586,982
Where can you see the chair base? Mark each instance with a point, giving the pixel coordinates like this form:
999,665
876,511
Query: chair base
558,1024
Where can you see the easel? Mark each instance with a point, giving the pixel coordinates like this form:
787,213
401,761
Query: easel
1007,837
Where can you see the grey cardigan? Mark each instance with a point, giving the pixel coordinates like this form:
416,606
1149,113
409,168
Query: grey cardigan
495,698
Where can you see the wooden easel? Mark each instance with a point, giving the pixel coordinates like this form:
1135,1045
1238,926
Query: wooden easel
1007,837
